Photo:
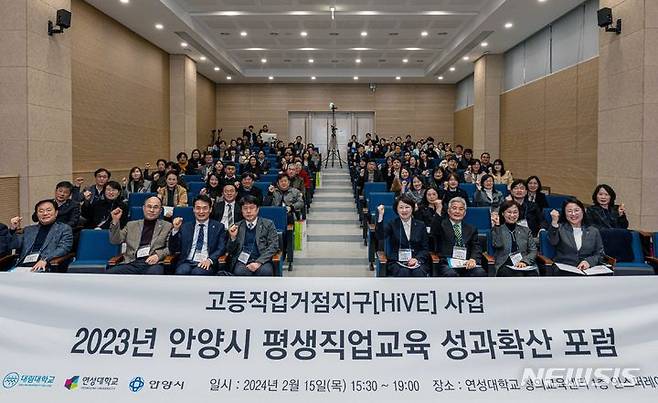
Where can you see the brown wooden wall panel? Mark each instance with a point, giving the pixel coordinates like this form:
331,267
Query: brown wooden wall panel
206,110
420,110
9,198
464,127
549,128
120,86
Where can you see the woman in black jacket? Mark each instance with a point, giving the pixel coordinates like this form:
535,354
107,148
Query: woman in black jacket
604,213
534,192
453,190
98,214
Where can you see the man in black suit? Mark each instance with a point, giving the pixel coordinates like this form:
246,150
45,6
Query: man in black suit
227,211
68,212
457,243
200,242
247,187
369,174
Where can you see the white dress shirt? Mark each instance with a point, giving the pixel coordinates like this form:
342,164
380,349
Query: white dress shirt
203,250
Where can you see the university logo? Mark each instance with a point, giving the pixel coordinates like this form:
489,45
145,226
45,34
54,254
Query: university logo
72,383
10,380
136,384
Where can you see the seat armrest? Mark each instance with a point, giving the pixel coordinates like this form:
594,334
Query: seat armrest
170,259
6,261
115,260
490,259
381,256
275,259
222,259
436,259
609,260
371,227
291,227
59,260
544,260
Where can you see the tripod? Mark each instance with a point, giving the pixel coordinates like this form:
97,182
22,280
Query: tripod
332,147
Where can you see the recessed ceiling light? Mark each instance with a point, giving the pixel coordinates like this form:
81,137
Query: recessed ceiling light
356,78
358,60
397,77
466,58
183,44
405,60
243,33
509,25
311,60
228,77
202,58
216,68
313,78
484,44
364,33
424,33
124,1
542,1
440,77
263,60
303,33
159,26
270,78
452,68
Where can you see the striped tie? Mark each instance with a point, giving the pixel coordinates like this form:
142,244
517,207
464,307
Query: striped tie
458,235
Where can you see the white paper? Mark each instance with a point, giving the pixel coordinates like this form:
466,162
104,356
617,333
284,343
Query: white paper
527,268
592,271
200,257
516,258
168,210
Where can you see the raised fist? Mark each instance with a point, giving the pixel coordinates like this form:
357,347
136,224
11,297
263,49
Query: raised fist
15,223
233,231
380,209
178,221
116,215
270,189
555,216
87,195
79,181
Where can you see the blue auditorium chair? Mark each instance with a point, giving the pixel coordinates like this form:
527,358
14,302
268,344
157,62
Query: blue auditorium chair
195,187
470,189
263,186
138,199
556,201
94,251
375,199
625,248
279,216
193,178
186,213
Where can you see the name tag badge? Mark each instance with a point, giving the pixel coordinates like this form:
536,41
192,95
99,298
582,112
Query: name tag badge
523,223
459,252
516,258
31,258
200,257
168,210
244,257
143,252
429,229
404,255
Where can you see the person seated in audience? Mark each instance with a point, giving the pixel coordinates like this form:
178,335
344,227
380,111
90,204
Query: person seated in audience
96,191
252,166
226,210
5,240
500,175
263,162
534,192
513,244
265,129
485,161
41,242
487,195
195,162
303,174
408,240
452,190
136,183
575,242
247,187
98,215
369,174
392,171
213,188
146,240
424,164
456,242
159,170
230,175
307,163
401,182
438,179
451,166
430,207
183,163
413,166
208,166
529,213
200,242
474,173
295,181
68,211
465,162
285,195
252,242
172,195
170,166
416,190
604,213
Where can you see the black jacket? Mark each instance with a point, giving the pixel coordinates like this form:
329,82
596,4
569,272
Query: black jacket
98,214
218,212
5,240
394,233
444,238
606,218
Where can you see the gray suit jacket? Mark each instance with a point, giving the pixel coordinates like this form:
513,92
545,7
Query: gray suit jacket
267,241
58,242
502,244
131,234
564,242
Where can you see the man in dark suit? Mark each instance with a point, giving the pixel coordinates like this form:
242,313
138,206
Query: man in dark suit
41,242
247,187
4,240
253,242
94,192
200,242
457,243
68,212
227,211
369,174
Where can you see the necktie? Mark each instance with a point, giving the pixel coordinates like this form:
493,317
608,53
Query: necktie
230,214
200,238
458,235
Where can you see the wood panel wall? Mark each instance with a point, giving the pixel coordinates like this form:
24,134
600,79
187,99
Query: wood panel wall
464,127
206,110
120,94
9,198
419,110
549,128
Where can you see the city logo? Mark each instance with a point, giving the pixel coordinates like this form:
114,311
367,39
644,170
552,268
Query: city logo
72,383
10,380
136,384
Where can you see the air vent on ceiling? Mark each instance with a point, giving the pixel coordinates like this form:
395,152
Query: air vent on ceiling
420,61
249,60
442,33
382,60
335,61
287,60
333,34
393,34
274,33
225,33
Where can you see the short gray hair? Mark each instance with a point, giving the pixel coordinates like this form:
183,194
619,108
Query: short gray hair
457,200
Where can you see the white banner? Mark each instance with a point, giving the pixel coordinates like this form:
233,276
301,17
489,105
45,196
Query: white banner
89,338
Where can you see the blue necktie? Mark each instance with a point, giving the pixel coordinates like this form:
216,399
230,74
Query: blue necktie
199,238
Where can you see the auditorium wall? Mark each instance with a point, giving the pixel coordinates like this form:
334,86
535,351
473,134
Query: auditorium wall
549,127
206,110
8,198
120,95
464,127
420,110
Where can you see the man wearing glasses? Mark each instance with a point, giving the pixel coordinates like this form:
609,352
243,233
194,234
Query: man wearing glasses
146,240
